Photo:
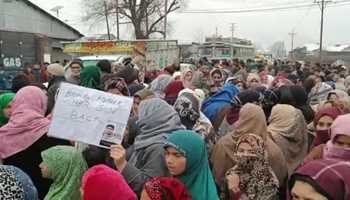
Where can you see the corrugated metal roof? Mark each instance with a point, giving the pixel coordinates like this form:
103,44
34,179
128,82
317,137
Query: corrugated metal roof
31,4
338,48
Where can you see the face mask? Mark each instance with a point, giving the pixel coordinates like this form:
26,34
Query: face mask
333,152
322,136
246,161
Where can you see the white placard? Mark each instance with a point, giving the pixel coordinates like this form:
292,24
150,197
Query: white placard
89,116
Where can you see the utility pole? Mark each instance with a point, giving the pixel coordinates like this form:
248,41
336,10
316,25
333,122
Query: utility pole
107,23
232,30
322,4
292,35
117,15
165,18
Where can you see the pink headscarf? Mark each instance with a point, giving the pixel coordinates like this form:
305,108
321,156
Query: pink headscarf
102,182
332,176
341,126
27,122
187,83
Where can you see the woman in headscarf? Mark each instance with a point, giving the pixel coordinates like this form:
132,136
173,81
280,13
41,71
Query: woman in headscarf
326,118
247,96
216,106
319,92
187,159
159,84
205,72
188,107
270,99
340,99
129,74
321,180
90,77
280,81
116,85
164,188
105,183
172,91
216,80
253,81
301,102
187,78
289,131
24,137
199,81
65,166
252,176
216,76
15,184
251,121
338,147
322,123
140,96
132,129
5,107
56,76
145,159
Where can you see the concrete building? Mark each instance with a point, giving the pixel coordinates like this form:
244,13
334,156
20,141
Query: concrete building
330,54
30,35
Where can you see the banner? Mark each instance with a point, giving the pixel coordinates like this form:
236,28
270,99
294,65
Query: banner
104,47
89,116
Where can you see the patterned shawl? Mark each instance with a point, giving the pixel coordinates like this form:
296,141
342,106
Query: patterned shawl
257,180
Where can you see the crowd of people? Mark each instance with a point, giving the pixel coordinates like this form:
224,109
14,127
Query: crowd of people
229,130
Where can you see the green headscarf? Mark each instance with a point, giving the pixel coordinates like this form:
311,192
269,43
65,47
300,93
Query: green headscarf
66,168
197,176
90,77
5,100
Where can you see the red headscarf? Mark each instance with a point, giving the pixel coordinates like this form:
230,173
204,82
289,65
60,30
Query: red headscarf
102,182
280,81
172,91
323,136
170,188
332,112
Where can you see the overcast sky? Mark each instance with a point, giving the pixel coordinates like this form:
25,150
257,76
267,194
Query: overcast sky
264,28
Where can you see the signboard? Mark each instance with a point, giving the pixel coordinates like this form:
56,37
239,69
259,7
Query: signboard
12,62
104,47
89,116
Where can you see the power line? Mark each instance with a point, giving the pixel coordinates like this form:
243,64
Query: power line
280,8
301,20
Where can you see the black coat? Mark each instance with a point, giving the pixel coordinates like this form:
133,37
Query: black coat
29,159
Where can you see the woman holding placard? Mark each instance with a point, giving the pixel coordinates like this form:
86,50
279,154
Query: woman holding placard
156,121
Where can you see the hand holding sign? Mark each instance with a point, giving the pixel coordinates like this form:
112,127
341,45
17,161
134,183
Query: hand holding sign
118,154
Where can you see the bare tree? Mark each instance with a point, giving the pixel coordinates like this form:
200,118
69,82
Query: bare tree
146,16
